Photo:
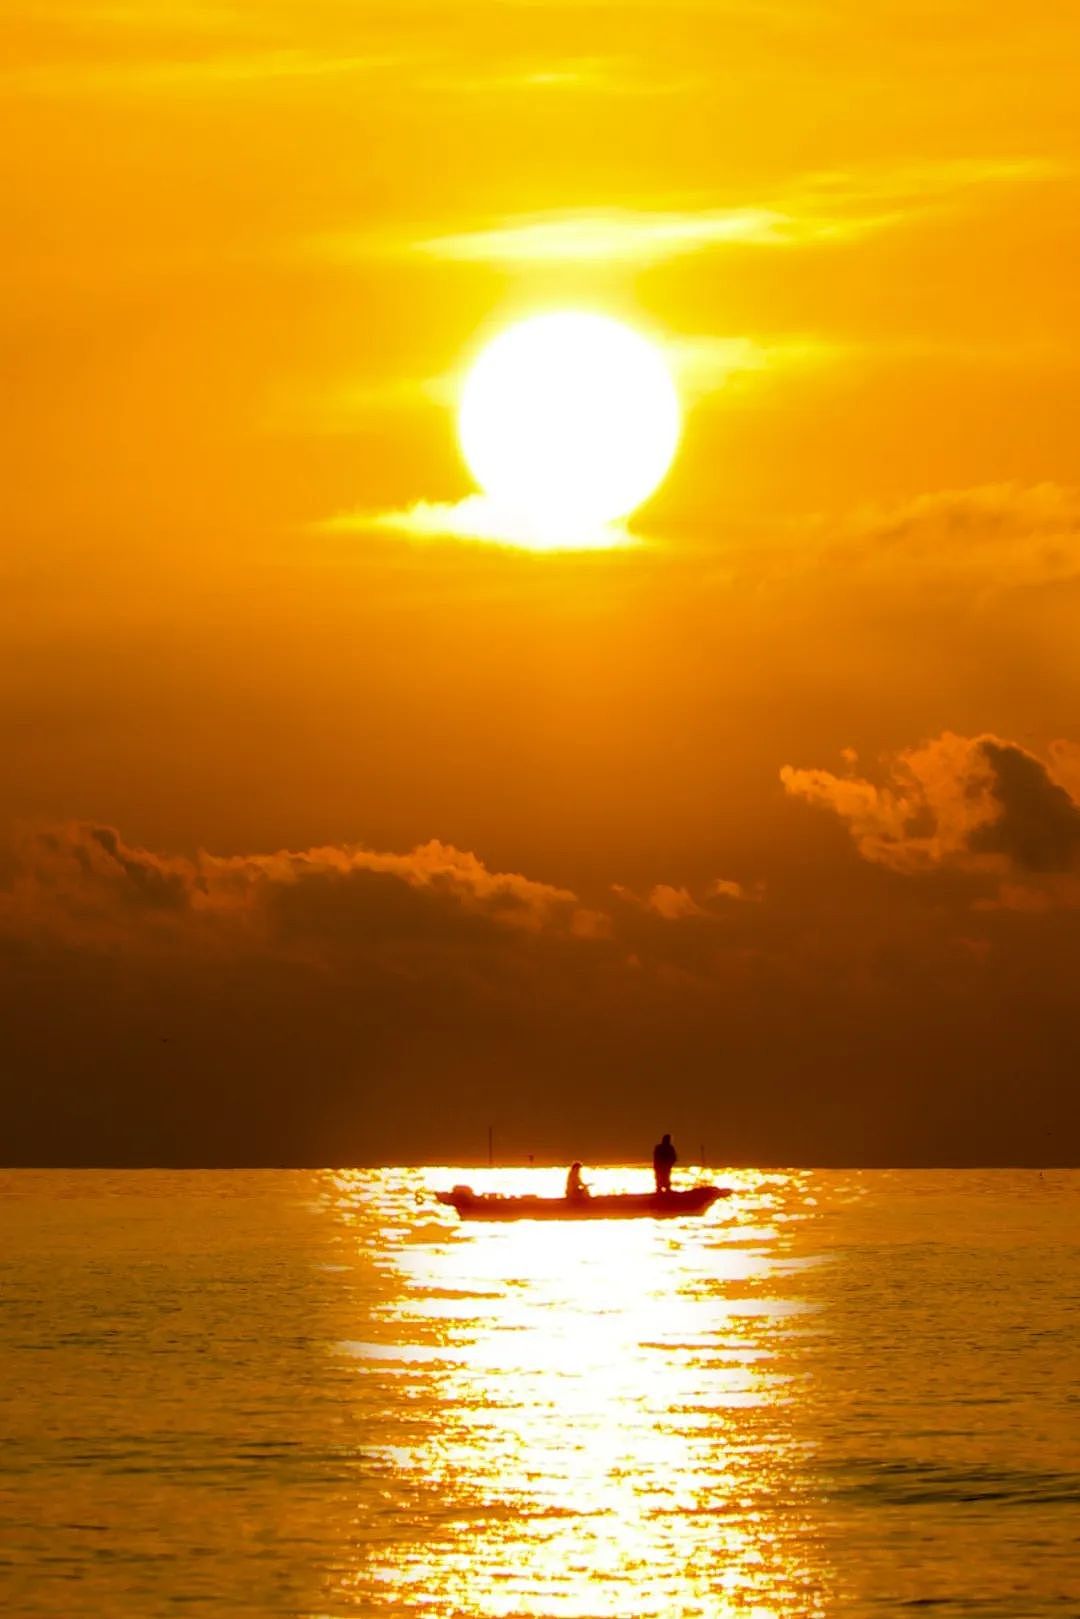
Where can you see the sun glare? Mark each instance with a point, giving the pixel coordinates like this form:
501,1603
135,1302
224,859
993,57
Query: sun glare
568,422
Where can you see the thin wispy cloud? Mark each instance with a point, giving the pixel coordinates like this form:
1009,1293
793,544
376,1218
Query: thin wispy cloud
624,235
816,208
608,77
705,364
153,76
1004,535
701,363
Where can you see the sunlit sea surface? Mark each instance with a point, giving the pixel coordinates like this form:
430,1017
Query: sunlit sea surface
318,1394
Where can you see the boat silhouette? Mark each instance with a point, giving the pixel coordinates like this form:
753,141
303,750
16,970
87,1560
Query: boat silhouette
472,1205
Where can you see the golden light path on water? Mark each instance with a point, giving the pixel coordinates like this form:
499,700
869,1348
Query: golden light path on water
591,1418
316,1395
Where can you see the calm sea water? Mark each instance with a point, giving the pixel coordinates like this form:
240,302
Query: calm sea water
317,1394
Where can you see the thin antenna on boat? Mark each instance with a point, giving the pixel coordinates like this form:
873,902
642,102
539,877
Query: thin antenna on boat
491,1148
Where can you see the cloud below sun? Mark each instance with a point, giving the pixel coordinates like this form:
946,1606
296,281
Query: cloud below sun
568,421
480,519
700,365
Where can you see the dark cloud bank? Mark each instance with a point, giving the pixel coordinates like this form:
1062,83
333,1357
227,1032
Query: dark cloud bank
905,994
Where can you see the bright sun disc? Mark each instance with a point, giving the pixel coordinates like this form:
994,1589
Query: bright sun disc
567,422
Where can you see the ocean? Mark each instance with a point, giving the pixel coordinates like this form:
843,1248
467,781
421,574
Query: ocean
317,1393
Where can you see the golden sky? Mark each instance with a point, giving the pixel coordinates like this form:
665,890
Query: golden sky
331,831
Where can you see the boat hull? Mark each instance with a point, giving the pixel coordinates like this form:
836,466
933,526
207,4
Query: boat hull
472,1205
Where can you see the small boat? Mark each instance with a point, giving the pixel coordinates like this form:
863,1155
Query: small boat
613,1206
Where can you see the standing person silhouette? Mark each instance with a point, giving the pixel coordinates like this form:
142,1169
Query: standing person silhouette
663,1157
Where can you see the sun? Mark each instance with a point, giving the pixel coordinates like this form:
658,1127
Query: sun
568,421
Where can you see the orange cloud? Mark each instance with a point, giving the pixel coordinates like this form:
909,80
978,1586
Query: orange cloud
724,888
85,881
676,904
673,904
973,803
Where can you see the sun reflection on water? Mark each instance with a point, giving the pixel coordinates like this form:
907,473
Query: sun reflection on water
595,1418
